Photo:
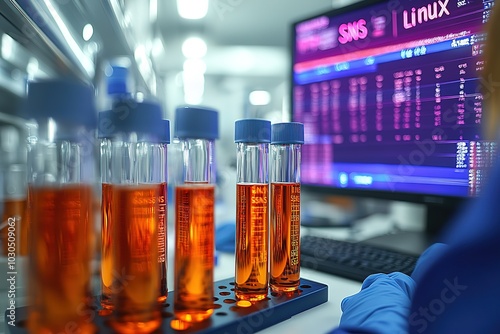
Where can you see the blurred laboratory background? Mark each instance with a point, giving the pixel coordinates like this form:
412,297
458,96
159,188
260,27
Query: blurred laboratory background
232,55
228,54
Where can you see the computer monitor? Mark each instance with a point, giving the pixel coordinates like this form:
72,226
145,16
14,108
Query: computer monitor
389,93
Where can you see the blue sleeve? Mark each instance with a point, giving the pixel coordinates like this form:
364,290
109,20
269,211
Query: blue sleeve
459,291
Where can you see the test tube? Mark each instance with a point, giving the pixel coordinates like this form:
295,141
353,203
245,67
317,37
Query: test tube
162,213
14,210
252,137
110,125
106,129
132,182
61,174
286,145
196,128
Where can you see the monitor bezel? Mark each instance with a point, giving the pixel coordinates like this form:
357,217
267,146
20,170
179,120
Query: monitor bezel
420,198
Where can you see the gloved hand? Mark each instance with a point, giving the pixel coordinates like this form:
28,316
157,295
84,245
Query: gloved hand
382,305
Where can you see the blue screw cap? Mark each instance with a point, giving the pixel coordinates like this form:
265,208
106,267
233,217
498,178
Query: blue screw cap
66,101
287,133
128,115
196,122
165,138
252,130
117,81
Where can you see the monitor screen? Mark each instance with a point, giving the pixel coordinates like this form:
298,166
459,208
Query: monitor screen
390,97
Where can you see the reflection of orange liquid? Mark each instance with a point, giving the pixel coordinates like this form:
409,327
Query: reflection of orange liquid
194,252
251,281
285,237
134,213
106,256
60,249
15,210
162,241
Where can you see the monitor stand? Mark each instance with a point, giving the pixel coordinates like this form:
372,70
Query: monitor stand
414,240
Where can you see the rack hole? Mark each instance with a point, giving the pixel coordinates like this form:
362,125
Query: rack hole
305,286
216,306
229,301
166,314
222,287
221,313
224,293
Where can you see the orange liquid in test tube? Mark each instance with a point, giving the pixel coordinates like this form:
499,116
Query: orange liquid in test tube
15,209
194,251
106,255
251,281
285,237
60,273
134,213
162,241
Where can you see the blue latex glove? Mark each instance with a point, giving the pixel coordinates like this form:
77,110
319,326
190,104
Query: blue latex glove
382,305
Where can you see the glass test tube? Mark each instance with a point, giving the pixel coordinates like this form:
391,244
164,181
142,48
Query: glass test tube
106,129
162,213
286,145
106,255
15,210
60,176
196,129
252,209
132,183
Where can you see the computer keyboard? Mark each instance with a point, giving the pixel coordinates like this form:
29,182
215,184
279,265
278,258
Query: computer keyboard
354,260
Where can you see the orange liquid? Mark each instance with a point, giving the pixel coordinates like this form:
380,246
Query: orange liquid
60,254
285,237
252,232
194,252
162,242
15,210
134,213
106,256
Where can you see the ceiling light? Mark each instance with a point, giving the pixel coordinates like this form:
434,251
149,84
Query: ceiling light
7,46
158,47
153,10
32,67
195,66
192,9
259,98
88,31
194,47
194,87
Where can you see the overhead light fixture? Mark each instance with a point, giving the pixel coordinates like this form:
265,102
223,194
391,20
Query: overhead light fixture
194,47
192,9
194,87
195,66
32,67
88,31
7,46
193,80
153,10
259,98
157,47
